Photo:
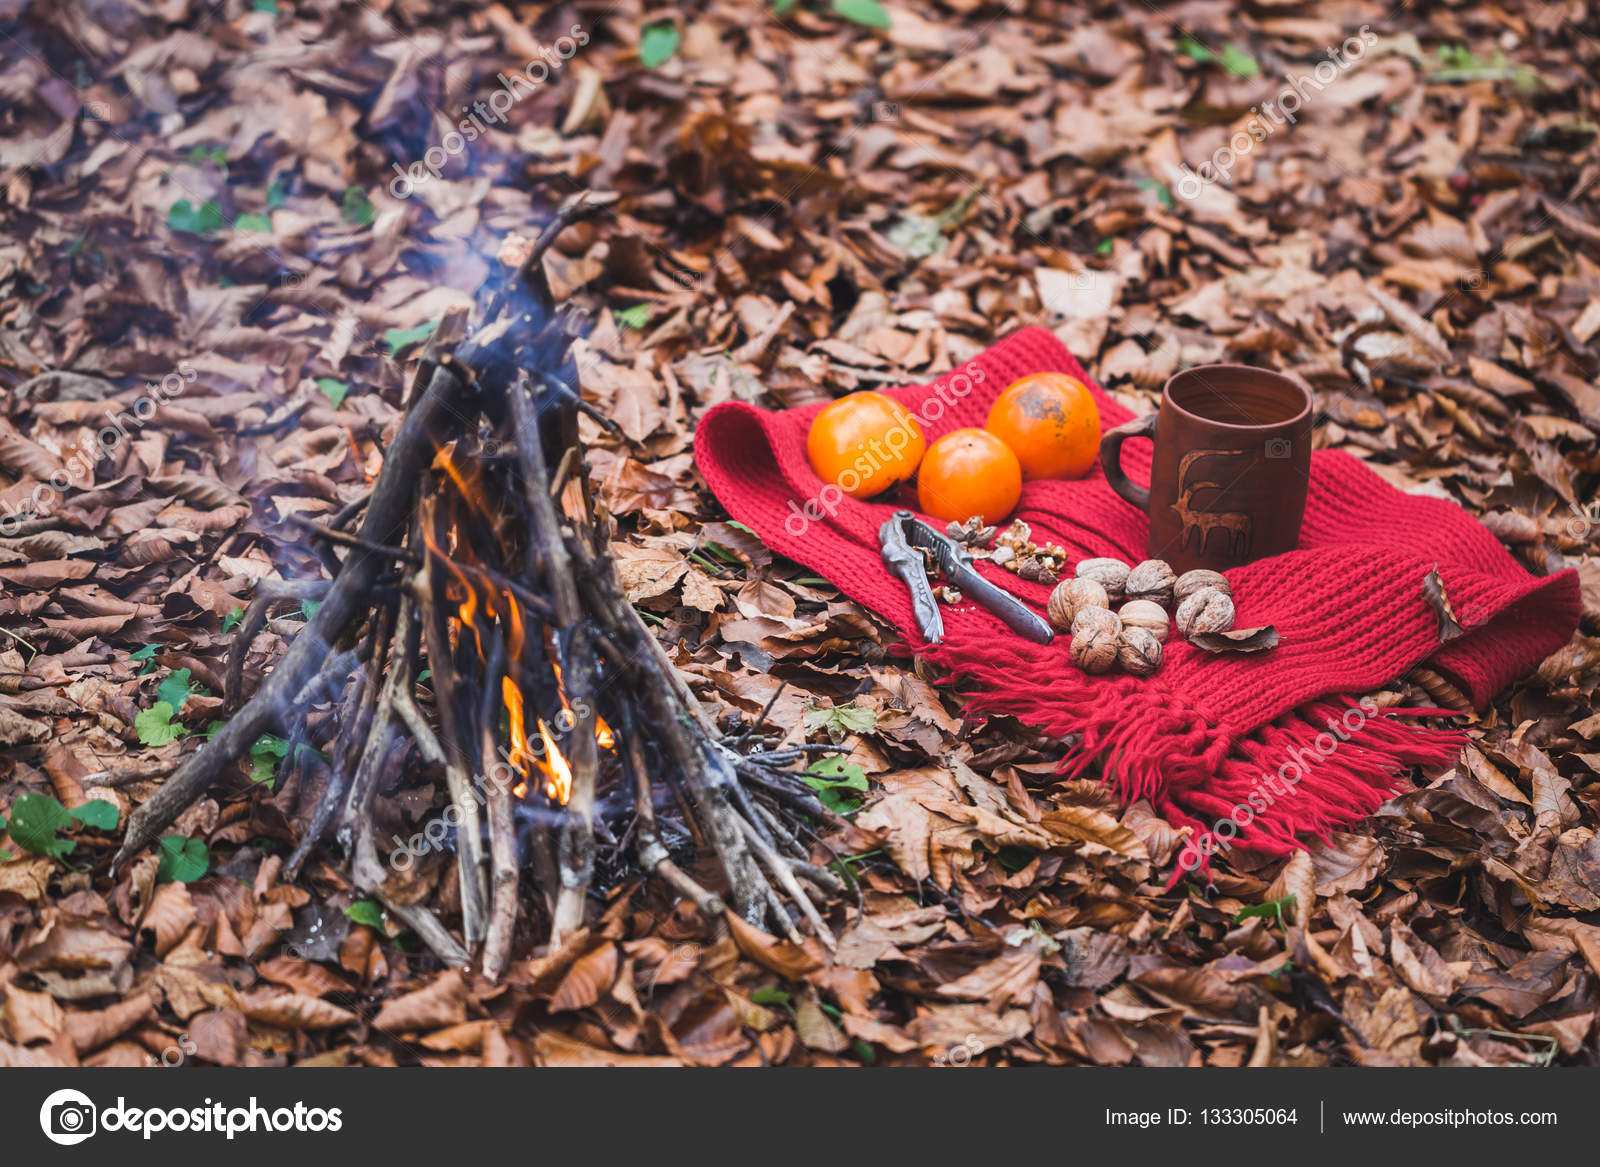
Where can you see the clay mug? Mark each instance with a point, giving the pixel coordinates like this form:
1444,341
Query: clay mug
1231,467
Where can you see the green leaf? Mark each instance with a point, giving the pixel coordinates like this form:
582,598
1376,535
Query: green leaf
1272,908
829,777
1194,50
265,6
334,388
1239,63
35,819
231,620
399,338
865,12
840,720
1104,247
1462,66
200,155
253,222
309,608
146,656
358,207
265,755
99,815
780,7
836,772
367,912
1163,195
205,221
636,317
155,727
278,192
182,860
176,688
772,995
917,236
657,44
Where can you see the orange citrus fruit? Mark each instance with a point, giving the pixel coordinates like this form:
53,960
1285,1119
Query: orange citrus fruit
864,444
1051,423
969,472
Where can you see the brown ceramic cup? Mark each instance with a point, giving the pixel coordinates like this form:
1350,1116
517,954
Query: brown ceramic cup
1231,467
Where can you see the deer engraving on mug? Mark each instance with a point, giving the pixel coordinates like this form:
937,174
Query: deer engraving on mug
1234,525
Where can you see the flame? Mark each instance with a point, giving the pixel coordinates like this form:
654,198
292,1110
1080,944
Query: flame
519,634
521,755
524,756
602,732
470,483
481,601
558,774
355,452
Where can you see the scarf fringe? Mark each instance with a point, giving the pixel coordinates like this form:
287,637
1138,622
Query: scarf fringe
1320,767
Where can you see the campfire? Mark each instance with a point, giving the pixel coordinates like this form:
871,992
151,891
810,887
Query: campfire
474,629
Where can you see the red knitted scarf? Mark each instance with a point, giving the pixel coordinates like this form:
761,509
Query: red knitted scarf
1260,747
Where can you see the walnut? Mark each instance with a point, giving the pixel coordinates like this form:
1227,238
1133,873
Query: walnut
1151,617
1139,652
971,533
1152,580
1095,649
1096,619
1192,581
1035,570
1111,574
1207,610
1072,596
1016,536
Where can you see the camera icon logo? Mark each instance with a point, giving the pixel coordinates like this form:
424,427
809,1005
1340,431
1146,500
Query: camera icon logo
1279,448
68,1117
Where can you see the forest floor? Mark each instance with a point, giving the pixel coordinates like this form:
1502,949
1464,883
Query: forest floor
799,202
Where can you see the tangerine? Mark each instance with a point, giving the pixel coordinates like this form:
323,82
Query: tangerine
864,444
1051,423
969,472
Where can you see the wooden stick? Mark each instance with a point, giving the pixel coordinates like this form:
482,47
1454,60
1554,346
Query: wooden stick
576,848
654,858
268,592
445,689
707,770
505,862
469,831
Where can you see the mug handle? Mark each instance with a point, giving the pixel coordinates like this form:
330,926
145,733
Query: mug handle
1111,459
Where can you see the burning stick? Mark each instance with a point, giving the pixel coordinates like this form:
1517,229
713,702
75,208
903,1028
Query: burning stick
518,609
577,836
